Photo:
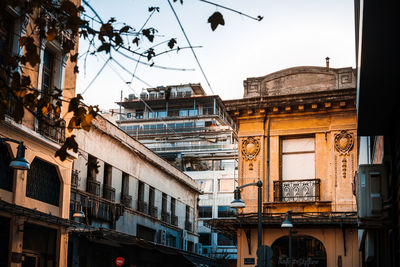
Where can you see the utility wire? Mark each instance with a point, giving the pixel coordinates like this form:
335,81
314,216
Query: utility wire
97,75
191,47
259,18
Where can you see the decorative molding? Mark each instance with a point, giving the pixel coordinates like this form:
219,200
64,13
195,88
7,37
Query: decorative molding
344,142
250,148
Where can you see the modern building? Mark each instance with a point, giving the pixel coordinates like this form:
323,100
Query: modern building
194,133
131,203
297,134
34,203
378,180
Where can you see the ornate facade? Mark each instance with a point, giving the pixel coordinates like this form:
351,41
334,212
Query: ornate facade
297,133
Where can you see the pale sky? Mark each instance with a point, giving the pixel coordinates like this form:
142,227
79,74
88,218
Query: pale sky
292,33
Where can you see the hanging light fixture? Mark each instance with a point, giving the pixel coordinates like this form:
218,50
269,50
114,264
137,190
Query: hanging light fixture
20,162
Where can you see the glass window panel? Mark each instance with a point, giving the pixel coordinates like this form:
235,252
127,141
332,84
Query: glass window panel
298,145
226,185
298,166
199,123
193,112
183,112
226,211
205,212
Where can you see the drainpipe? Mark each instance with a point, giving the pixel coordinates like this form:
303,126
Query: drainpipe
268,152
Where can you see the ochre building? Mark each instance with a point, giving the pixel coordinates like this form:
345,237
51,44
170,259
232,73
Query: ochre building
297,133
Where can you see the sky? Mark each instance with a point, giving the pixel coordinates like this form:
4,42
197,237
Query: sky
292,33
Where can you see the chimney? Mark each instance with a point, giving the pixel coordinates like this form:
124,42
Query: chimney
327,63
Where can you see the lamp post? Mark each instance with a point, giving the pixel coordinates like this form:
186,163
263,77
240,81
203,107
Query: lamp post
20,161
287,223
239,203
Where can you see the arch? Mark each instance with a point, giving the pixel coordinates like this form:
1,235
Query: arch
6,172
43,182
306,251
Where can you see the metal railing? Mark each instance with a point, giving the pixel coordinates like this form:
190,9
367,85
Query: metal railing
188,225
192,147
93,187
297,190
166,216
142,206
153,211
75,178
126,200
52,129
174,220
108,192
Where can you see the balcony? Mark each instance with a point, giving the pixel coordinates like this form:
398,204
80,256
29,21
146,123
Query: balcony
52,129
188,225
75,178
166,216
153,211
142,206
297,190
109,192
126,200
174,220
93,187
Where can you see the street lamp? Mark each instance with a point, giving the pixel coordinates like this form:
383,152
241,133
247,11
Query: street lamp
20,162
239,203
287,223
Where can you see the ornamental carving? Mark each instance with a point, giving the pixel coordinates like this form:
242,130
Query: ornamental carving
250,150
344,143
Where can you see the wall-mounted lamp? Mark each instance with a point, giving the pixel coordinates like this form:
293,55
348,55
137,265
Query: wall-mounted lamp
20,161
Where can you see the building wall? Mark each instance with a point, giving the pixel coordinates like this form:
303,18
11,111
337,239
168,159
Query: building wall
302,102
125,155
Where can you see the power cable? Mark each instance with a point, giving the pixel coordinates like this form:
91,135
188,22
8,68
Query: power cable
191,47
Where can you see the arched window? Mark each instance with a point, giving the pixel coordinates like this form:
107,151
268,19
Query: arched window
43,182
6,172
306,251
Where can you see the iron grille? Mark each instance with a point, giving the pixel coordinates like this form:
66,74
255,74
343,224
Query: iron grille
188,225
6,172
174,220
109,192
52,129
153,211
142,206
166,216
75,178
126,200
43,182
93,187
297,190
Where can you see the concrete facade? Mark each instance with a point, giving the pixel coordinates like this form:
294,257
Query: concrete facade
296,108
138,211
30,215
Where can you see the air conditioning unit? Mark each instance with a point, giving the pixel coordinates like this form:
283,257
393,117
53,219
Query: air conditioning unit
371,190
184,240
198,247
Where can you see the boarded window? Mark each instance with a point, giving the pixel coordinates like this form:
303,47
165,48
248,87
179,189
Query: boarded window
298,159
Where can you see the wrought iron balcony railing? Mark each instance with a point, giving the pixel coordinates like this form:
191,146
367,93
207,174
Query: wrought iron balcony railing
188,225
174,220
52,129
297,190
142,206
109,192
153,211
93,187
166,216
75,178
126,200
